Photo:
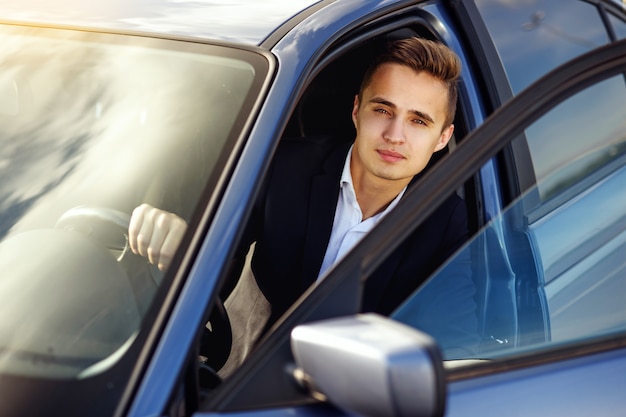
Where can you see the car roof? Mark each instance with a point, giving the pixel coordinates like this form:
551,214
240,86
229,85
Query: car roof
244,21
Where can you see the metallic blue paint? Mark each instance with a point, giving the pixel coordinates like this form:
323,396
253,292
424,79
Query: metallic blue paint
248,22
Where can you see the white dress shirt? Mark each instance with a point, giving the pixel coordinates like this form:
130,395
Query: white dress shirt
348,225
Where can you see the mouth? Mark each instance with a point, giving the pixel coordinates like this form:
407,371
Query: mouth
390,156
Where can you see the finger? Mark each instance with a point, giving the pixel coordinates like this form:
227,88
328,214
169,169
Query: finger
176,228
144,234
159,231
134,226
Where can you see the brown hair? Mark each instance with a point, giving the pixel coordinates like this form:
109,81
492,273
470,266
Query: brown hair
422,55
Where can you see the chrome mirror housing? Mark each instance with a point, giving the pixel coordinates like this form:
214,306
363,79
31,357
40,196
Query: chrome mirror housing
370,365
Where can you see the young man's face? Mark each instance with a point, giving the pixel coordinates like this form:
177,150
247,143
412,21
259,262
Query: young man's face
399,124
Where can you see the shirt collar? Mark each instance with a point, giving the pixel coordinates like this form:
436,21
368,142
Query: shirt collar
346,175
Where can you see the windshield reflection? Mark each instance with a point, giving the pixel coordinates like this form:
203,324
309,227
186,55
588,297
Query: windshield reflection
90,127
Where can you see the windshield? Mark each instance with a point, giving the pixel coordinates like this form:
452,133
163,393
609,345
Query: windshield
91,126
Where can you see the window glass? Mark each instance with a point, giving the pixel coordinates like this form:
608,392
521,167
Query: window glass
554,273
533,37
619,26
577,138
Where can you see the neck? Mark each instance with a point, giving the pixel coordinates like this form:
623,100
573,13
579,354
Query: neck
375,194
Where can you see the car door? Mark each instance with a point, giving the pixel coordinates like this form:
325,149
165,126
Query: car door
565,241
567,369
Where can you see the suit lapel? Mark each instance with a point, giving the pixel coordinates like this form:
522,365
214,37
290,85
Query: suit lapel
322,205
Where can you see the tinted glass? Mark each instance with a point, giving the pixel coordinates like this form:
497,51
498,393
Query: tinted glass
555,273
533,37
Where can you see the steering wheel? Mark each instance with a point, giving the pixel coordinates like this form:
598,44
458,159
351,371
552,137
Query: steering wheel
96,222
216,341
109,227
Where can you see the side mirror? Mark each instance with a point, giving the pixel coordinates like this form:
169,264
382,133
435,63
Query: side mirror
370,365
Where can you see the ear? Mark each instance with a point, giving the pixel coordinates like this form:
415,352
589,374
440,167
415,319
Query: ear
355,109
444,138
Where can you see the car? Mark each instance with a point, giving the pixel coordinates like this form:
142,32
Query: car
108,105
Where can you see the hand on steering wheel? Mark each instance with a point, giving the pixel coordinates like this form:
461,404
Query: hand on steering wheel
155,234
121,233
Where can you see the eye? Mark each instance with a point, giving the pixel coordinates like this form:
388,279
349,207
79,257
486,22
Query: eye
419,122
381,111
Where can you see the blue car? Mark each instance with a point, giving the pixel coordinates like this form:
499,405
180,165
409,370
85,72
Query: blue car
105,106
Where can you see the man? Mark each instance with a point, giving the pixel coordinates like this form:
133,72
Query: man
320,198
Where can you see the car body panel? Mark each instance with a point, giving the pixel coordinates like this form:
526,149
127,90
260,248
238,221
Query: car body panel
575,387
247,22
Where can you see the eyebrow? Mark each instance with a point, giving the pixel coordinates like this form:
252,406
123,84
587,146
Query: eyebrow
420,114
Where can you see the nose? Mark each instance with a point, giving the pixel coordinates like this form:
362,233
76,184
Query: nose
394,131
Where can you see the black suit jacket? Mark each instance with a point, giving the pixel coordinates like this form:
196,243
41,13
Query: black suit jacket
292,222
